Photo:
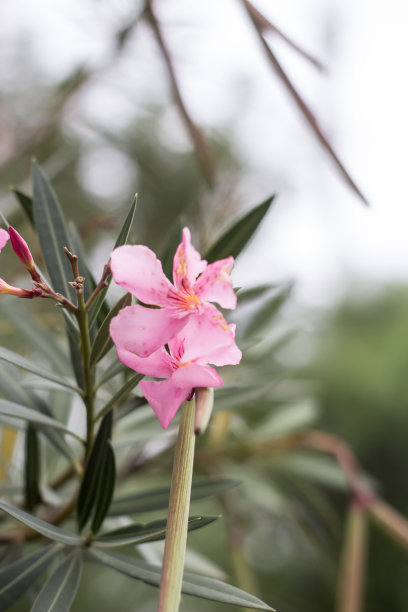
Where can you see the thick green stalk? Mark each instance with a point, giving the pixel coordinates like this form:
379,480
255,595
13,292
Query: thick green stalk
176,533
89,392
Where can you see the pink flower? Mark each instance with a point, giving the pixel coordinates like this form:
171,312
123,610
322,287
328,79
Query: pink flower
185,367
4,236
142,330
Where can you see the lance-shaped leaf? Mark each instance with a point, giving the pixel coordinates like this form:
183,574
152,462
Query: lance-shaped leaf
149,532
17,411
98,481
40,338
59,591
26,364
120,395
158,498
236,238
200,586
269,308
32,471
26,203
16,578
103,341
13,389
46,529
121,239
52,233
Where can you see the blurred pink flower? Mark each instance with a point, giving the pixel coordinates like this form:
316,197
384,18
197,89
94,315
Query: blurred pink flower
185,367
142,330
4,236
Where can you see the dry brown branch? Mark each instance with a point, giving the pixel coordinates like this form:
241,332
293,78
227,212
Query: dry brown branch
200,145
303,107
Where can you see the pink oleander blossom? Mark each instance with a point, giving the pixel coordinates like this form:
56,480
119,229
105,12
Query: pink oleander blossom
185,367
142,330
20,247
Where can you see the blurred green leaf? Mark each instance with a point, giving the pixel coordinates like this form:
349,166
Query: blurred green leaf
106,488
200,586
59,591
138,532
98,479
236,237
14,390
79,251
26,203
321,469
170,247
24,363
158,498
121,239
287,419
52,233
103,342
116,368
17,411
122,393
32,471
40,338
254,293
46,529
264,315
73,342
16,578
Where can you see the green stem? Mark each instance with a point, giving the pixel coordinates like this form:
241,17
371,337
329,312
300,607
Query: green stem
82,317
176,533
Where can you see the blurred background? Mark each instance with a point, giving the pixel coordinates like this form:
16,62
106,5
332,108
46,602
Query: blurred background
182,103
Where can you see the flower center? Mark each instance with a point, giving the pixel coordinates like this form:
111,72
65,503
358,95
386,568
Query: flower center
184,301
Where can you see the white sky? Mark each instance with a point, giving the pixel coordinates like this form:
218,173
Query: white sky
318,233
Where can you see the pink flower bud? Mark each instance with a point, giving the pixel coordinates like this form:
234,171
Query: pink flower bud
22,251
6,289
204,398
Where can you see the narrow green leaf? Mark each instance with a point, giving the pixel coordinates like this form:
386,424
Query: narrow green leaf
46,529
14,390
139,533
17,411
122,393
24,363
59,591
98,468
52,233
103,342
40,338
73,342
26,203
267,311
16,579
116,368
200,586
158,498
253,293
32,468
106,488
121,239
236,238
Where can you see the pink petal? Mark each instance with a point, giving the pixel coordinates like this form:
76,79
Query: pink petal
214,285
165,398
195,375
137,269
187,263
4,236
203,335
157,364
143,330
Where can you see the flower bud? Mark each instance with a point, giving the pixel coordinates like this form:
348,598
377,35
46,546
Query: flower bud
204,402
22,251
6,289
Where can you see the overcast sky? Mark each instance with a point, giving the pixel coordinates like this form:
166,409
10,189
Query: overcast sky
319,233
